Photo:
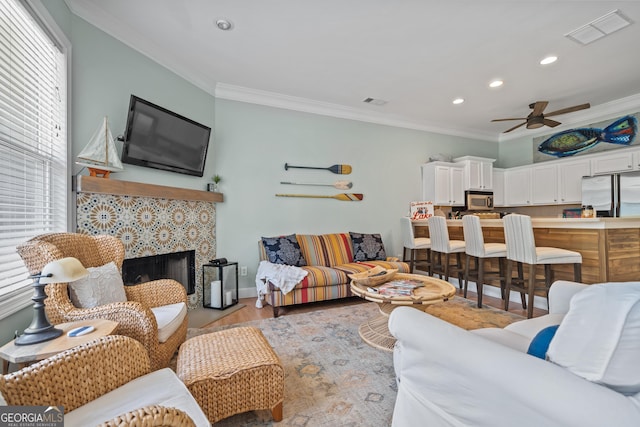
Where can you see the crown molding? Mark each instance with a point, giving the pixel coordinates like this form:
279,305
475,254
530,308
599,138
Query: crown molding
627,105
277,100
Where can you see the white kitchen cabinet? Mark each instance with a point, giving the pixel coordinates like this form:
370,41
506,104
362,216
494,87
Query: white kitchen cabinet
442,183
498,187
544,184
478,172
570,175
617,161
517,186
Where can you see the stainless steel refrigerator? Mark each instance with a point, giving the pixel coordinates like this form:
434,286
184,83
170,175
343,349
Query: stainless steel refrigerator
615,195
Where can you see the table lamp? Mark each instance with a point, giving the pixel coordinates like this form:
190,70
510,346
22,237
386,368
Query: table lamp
59,271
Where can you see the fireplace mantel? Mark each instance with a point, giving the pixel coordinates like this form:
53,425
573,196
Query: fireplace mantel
91,184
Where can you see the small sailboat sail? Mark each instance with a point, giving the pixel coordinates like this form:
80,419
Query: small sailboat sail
100,154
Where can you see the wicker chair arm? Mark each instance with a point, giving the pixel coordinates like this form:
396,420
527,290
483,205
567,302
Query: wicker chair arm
157,293
134,320
151,416
79,375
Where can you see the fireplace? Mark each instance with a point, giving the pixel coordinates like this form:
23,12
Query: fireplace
179,266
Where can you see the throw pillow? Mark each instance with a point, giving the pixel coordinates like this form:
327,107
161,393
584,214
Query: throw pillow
102,286
367,247
283,250
599,338
541,341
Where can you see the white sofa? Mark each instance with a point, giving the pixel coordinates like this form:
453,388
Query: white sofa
448,376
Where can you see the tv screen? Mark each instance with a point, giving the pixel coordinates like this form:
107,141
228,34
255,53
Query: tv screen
158,138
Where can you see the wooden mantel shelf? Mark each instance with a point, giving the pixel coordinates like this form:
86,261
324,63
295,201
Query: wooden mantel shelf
91,184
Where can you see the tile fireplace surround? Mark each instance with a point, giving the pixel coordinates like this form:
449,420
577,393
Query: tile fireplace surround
150,219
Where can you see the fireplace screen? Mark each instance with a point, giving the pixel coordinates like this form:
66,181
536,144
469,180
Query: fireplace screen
179,266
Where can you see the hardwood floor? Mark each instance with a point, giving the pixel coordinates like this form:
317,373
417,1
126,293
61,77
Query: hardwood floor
250,312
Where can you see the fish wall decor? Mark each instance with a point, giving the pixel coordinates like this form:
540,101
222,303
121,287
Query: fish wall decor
567,143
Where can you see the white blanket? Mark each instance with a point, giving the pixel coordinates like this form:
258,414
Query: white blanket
284,277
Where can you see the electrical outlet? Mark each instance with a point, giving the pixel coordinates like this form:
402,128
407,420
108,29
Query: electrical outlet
243,270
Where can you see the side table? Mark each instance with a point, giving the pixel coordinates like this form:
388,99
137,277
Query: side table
23,355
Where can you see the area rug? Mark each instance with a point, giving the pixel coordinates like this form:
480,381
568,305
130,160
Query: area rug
333,378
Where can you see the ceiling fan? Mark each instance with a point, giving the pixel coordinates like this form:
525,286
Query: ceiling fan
536,119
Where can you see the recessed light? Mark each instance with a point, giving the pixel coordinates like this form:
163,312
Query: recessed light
496,83
458,101
224,24
549,60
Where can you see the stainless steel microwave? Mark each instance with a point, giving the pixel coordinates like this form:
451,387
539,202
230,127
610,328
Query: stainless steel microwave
478,200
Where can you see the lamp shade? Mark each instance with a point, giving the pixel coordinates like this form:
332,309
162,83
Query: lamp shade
63,270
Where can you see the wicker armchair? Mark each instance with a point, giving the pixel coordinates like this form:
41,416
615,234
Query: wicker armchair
78,376
134,316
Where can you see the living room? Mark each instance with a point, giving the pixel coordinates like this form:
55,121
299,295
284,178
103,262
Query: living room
251,142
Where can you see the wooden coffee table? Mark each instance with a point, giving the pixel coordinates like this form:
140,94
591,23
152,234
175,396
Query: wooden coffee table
375,332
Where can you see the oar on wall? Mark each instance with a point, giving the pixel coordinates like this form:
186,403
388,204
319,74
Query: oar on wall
347,197
340,185
339,169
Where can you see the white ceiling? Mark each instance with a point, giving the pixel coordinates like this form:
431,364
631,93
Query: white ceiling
327,56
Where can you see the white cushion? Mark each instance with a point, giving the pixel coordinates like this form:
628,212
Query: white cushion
530,327
504,337
102,286
546,255
599,338
162,387
169,318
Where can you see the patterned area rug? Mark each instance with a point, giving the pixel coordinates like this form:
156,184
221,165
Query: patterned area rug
333,378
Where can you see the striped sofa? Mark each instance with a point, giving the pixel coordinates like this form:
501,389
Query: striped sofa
330,258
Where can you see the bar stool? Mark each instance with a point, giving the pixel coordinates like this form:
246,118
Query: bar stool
521,248
414,244
441,244
476,248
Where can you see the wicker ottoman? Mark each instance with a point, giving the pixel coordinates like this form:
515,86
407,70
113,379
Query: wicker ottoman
232,371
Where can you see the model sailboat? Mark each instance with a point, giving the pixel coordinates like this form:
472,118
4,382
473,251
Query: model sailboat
100,155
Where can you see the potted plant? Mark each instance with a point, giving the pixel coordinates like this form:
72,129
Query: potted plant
216,180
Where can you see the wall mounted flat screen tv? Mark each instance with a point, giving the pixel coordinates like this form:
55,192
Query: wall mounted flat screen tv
158,138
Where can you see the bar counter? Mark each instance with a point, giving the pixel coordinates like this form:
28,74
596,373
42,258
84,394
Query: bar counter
610,247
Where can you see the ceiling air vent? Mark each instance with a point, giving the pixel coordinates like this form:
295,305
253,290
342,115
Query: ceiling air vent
374,101
598,28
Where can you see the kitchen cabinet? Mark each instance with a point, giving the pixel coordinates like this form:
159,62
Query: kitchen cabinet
544,184
570,175
478,172
498,187
617,161
517,186
442,183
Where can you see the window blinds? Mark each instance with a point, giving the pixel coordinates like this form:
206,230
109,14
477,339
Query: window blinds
33,145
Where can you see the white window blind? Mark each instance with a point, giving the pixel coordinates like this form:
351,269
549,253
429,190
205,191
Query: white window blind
33,145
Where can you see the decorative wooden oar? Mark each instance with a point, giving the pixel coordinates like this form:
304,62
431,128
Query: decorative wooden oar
339,169
347,197
340,185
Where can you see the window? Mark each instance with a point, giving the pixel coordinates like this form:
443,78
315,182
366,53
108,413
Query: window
33,144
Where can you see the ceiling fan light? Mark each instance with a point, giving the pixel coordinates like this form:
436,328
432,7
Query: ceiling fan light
496,83
458,101
535,122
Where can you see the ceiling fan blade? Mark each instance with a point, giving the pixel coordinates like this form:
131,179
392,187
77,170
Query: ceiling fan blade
539,107
515,127
502,120
569,110
551,123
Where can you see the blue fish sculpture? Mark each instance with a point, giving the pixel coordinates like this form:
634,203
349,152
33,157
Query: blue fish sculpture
567,143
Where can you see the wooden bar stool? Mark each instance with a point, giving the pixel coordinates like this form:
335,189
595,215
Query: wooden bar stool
521,248
415,244
442,245
476,248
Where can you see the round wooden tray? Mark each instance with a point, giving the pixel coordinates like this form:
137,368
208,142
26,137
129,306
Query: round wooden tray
433,291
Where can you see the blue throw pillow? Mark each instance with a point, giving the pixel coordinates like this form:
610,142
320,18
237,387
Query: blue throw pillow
367,247
541,341
284,250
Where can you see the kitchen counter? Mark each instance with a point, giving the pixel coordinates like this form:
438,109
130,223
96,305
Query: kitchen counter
610,247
